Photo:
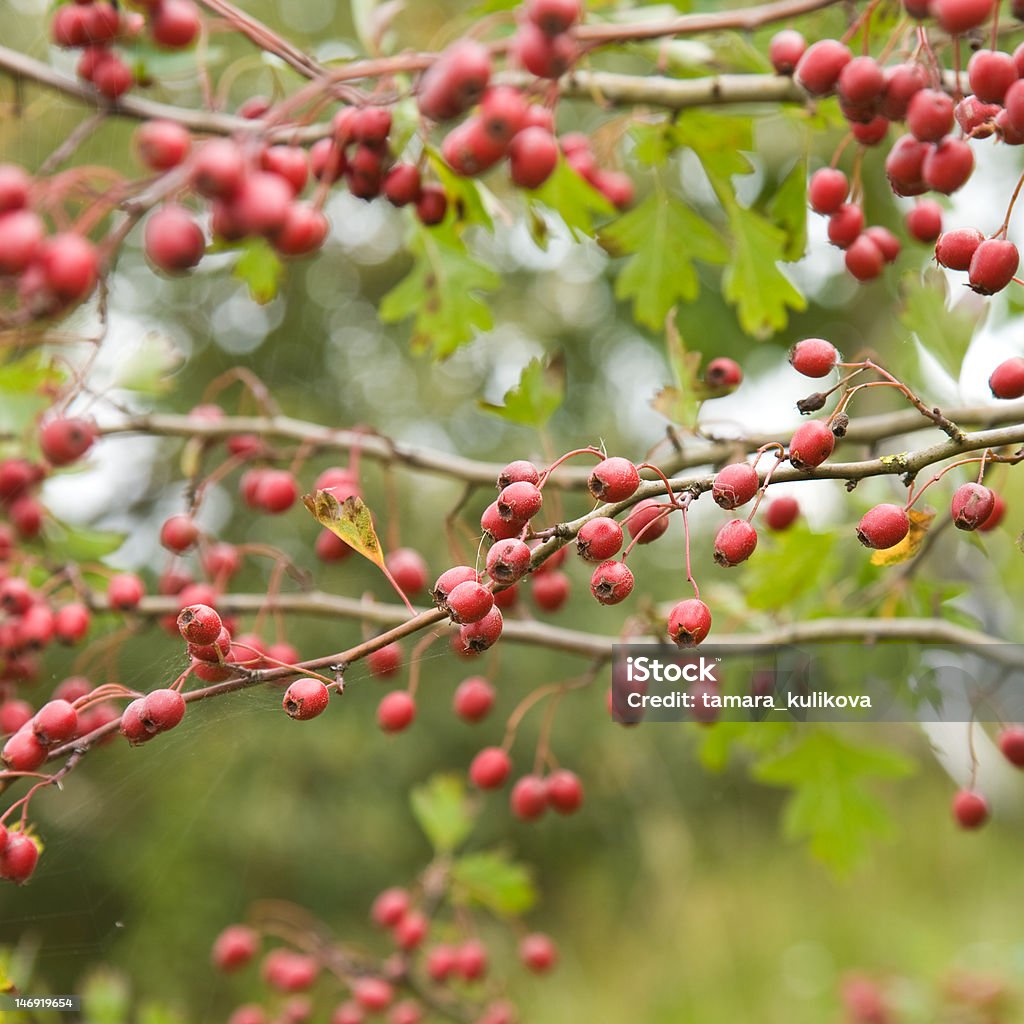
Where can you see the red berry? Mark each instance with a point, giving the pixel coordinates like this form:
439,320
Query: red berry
456,81
474,699
976,119
647,520
68,28
471,961
64,441
234,947
614,479
179,533
162,710
970,809
218,169
904,164
441,962
611,582
993,266
390,907
1014,103
304,231
132,727
990,73
502,113
468,149
508,560
827,190
402,184
261,205
564,791
346,1013
408,1011
529,798
924,221
550,590
23,752
199,624
616,187
735,485
972,505
495,528
408,568
930,115
883,526
432,205
161,144
469,602
490,768
723,374
18,858
554,16
820,67
174,23
785,50
689,623
811,445
861,81
70,265
396,711
1011,743
533,156
871,133
305,699
888,244
112,76
15,713
55,722
173,240
385,661
947,166
996,515
845,225
599,539
735,542
71,623
957,16
519,471
125,591
276,491
519,502
477,637
373,994
538,952
411,930
542,55
23,233
448,581
864,259
781,513
955,249
1007,380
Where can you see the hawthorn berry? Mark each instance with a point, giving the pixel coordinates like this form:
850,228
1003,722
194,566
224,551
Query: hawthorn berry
1007,380
647,520
402,184
529,798
519,502
542,55
538,952
957,16
172,239
1011,744
23,752
234,947
781,513
330,547
883,526
287,971
411,930
15,713
947,166
477,637
455,81
735,542
735,485
785,50
71,622
162,710
474,699
199,624
611,582
930,115
162,144
441,962
993,266
811,444
955,249
613,479
888,244
508,560
15,187
533,157
396,711
373,994
972,505
827,190
924,221
970,809
408,1011
550,590
990,73
18,858
125,591
689,623
495,528
179,533
55,722
432,205
385,661
471,960
564,791
995,516
519,471
389,907
599,539
490,768
305,699
448,581
864,259
23,233
819,68
813,357
345,1013
469,602
408,568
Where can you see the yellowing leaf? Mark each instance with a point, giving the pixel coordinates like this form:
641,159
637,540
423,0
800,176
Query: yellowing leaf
350,520
910,545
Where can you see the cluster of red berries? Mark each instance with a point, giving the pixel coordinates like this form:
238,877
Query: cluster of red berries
929,157
96,27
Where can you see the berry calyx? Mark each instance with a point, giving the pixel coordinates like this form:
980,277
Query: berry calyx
883,526
813,357
305,699
689,623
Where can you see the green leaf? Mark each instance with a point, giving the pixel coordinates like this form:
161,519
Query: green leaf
540,391
442,810
260,268
442,292
105,998
23,383
574,199
148,367
797,563
662,237
680,402
490,879
719,140
80,544
830,805
753,281
154,1013
788,210
465,195
945,333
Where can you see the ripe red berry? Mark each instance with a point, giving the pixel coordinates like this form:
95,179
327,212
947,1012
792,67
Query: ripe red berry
519,471
883,526
990,73
469,602
71,622
993,266
432,205
23,233
864,259
396,711
64,441
924,221
542,55
468,149
827,190
930,115
111,76
689,622
15,713
173,240
456,81
781,513
977,120
1011,743
402,184
956,249
161,144
811,444
820,67
888,244
553,16
903,166
550,590
179,533
390,907
647,520
234,947
947,166
55,722
373,994
613,479
70,265
735,542
861,81
18,858
408,568
519,502
15,187
199,624
411,930
474,699
441,962
385,661
723,374
303,232
477,637
564,791
735,485
125,591
218,169
533,156
508,560
538,952
970,809
957,16
448,581
490,768
174,23
261,205
995,516
305,699
599,539
27,517
870,133
785,50
162,710
1007,380
495,528
23,752
529,798
845,225
972,505
611,582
